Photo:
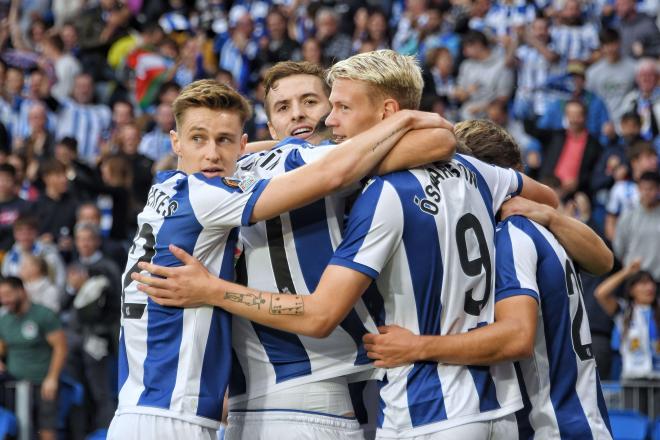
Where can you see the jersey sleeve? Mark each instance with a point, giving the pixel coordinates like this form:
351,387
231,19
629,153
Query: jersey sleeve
303,156
374,230
224,202
501,183
515,262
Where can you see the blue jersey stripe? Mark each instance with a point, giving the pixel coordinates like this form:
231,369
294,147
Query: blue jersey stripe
425,395
481,185
123,362
426,402
602,407
562,360
285,352
216,365
381,403
484,384
164,332
165,324
525,430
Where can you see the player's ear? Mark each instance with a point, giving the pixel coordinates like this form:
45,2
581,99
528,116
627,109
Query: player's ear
244,140
390,106
176,147
272,131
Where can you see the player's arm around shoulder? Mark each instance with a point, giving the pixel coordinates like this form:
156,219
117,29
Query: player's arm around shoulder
192,285
348,163
580,241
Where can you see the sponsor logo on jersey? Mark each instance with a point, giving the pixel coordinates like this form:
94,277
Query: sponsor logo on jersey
247,183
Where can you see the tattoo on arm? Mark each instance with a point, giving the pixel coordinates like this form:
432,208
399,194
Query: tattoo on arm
382,141
249,299
286,305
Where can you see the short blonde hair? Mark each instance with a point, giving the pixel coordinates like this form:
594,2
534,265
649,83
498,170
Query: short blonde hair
208,93
389,73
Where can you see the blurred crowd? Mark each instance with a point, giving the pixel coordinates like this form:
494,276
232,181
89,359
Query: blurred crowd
86,88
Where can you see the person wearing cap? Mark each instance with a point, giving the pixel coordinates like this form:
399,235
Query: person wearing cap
597,117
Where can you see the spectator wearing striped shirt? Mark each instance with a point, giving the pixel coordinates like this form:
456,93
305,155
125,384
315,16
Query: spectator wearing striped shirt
573,38
534,55
38,93
505,16
83,120
237,50
157,144
11,98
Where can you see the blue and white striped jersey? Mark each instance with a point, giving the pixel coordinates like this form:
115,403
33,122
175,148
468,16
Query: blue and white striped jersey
560,384
176,362
289,254
87,124
427,236
575,42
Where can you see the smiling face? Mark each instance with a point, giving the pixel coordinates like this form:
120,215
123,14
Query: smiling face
296,104
209,141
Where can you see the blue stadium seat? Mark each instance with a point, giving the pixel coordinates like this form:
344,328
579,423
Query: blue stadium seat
628,425
99,434
8,424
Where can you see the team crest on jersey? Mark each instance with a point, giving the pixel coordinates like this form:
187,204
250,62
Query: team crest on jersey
635,344
231,182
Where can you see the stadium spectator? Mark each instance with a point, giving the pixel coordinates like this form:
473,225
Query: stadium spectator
482,78
11,99
92,311
637,319
645,98
26,174
442,80
276,45
335,45
574,39
141,165
613,76
312,51
116,199
34,344
89,254
40,289
91,214
637,229
67,67
624,195
11,206
40,142
534,56
122,114
83,180
156,144
83,120
598,121
56,206
237,50
639,33
570,154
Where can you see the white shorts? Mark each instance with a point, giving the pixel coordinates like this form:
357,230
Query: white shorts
148,426
291,426
504,428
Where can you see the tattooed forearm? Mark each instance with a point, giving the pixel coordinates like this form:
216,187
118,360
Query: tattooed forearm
249,299
382,141
286,305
